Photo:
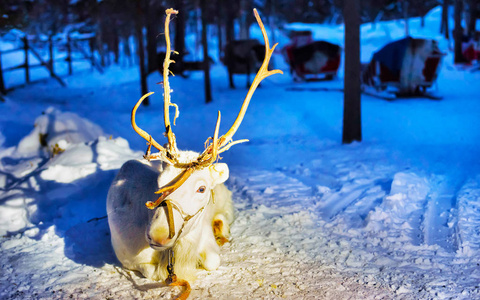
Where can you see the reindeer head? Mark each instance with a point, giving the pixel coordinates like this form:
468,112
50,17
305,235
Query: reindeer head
189,178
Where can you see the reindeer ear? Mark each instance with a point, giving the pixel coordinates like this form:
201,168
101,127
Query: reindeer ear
219,173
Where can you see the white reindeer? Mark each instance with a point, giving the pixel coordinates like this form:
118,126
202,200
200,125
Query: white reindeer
193,212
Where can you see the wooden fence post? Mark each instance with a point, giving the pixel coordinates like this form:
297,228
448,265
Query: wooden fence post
69,54
50,55
91,43
2,84
26,65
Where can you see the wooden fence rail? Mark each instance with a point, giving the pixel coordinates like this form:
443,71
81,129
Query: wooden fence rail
71,43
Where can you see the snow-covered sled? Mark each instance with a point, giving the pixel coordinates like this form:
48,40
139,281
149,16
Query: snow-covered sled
405,68
311,60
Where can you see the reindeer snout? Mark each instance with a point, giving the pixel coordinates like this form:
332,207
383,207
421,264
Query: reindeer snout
159,237
161,231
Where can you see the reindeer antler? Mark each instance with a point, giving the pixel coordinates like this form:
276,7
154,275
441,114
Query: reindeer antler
261,74
218,144
172,144
170,154
225,141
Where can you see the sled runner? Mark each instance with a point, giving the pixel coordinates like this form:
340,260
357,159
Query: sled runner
403,68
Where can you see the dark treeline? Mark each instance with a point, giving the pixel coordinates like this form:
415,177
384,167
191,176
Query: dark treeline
115,24
115,20
119,22
51,15
118,17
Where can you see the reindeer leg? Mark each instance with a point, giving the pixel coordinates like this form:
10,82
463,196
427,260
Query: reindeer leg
221,229
210,254
230,78
148,262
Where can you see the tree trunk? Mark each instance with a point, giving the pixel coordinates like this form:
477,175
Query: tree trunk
352,127
3,90
99,34
405,16
141,51
152,32
220,13
179,45
444,24
458,32
473,17
270,20
206,63
246,18
26,59
116,45
230,23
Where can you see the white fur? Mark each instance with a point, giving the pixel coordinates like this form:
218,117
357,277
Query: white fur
140,235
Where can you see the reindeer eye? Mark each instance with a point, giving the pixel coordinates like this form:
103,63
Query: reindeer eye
201,189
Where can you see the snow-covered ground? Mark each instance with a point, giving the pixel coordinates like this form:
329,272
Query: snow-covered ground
396,216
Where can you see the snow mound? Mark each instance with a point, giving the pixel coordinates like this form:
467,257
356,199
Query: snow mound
58,128
32,182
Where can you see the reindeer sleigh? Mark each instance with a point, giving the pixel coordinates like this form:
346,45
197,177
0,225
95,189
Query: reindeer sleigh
404,68
170,212
311,60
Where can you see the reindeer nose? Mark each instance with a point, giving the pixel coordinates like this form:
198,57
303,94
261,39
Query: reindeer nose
164,241
159,236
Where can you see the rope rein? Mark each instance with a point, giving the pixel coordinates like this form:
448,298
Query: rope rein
172,279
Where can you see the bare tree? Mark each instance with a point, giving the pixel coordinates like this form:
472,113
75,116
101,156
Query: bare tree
231,11
153,15
180,31
352,127
141,50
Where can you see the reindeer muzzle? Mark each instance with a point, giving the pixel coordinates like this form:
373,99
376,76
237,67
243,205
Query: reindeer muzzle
169,205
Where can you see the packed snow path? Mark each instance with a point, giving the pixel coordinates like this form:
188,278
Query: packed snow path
328,221
282,247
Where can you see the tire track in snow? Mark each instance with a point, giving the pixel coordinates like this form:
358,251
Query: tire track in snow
401,212
468,218
274,189
436,227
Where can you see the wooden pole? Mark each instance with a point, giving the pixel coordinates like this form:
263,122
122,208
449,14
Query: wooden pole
91,44
46,65
50,55
69,54
26,62
2,83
